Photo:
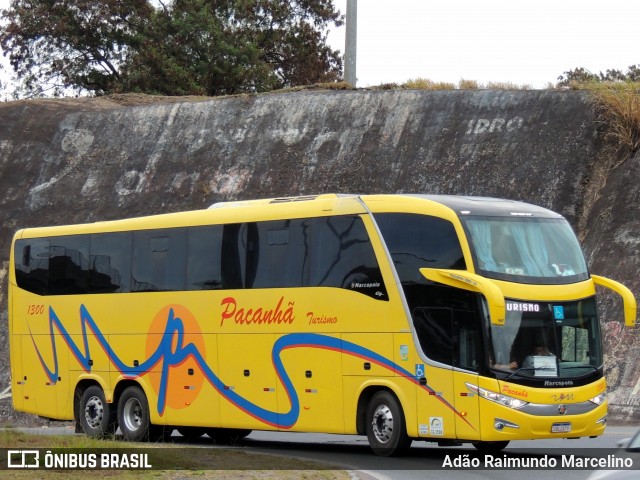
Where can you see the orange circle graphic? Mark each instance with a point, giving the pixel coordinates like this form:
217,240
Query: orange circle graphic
182,387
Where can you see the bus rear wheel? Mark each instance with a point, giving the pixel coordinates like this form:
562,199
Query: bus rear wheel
386,429
133,415
227,436
96,417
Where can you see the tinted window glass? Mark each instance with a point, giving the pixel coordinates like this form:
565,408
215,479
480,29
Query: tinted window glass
110,262
234,256
280,254
32,265
331,251
204,268
449,336
343,256
68,265
434,327
159,260
418,241
467,340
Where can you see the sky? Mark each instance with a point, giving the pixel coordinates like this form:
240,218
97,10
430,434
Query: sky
511,41
516,41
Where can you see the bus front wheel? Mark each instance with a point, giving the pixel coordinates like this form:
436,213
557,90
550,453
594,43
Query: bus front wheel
95,415
133,415
491,446
386,429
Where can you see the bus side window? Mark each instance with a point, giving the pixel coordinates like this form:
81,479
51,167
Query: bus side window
342,256
204,262
69,265
32,265
159,260
110,262
417,241
233,258
280,254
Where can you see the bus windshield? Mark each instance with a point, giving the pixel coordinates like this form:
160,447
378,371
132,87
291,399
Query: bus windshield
526,250
539,339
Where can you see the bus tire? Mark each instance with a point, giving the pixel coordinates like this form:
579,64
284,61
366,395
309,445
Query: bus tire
160,433
489,447
133,415
227,436
386,429
96,417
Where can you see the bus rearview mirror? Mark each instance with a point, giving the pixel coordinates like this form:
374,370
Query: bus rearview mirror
630,305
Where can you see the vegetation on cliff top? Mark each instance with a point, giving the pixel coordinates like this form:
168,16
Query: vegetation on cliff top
180,47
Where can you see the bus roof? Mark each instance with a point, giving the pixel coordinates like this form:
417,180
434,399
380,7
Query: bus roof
308,206
488,206
461,204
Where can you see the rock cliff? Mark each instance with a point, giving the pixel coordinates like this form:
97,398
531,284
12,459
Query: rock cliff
82,160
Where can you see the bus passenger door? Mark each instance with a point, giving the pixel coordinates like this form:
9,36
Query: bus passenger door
435,402
467,406
467,354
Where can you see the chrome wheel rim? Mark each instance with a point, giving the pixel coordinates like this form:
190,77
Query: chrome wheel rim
94,412
132,415
382,423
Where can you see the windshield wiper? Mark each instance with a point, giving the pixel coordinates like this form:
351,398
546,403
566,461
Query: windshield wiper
520,370
591,367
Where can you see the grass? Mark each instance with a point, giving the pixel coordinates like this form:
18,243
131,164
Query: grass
415,84
426,84
463,84
618,108
175,461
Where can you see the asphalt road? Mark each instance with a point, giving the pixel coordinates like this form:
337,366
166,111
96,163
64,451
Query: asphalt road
423,461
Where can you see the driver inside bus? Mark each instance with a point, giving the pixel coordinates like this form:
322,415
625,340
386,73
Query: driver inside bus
539,350
510,366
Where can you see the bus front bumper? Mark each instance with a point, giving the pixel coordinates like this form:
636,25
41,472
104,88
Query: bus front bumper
502,423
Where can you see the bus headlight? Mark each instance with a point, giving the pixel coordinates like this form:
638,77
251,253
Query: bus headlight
599,400
504,400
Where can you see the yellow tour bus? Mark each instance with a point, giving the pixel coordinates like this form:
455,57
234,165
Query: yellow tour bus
446,319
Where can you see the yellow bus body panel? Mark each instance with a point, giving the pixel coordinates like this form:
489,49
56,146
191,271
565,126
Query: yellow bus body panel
292,359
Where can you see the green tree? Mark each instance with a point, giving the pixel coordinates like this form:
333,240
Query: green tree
189,49
202,47
59,45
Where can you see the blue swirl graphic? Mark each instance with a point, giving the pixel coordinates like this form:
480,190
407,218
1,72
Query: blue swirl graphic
174,330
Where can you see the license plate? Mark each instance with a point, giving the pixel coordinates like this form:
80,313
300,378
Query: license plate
560,428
